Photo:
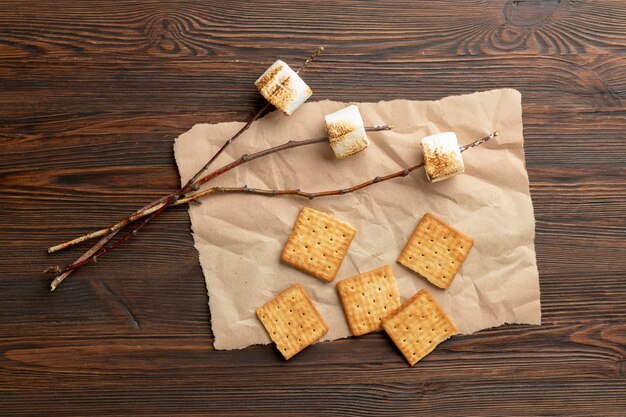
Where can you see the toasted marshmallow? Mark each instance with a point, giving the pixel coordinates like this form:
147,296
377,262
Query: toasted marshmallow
442,156
346,131
283,87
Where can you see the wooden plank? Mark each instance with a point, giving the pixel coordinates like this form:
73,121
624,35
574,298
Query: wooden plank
502,370
91,97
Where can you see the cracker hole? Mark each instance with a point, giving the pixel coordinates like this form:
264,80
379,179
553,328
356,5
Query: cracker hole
410,257
423,255
311,258
385,307
306,246
331,239
319,243
445,237
425,266
435,252
378,288
325,227
308,218
461,247
414,354
369,312
343,235
328,266
430,341
357,306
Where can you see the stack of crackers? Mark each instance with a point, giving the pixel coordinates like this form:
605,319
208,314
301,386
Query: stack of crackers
318,244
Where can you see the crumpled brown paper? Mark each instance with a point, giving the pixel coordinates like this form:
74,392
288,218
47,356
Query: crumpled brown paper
239,237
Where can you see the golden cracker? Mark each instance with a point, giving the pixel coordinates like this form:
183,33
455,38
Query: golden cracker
418,326
436,251
368,298
317,244
292,320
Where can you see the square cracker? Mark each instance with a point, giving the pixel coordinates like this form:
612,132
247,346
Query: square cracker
292,320
317,244
368,298
436,251
418,326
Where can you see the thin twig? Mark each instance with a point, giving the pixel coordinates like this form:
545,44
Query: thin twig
295,192
311,195
152,211
151,208
85,256
170,199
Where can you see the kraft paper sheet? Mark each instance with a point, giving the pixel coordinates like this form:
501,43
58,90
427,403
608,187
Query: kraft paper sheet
239,237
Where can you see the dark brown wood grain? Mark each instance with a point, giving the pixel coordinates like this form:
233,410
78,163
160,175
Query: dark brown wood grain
92,95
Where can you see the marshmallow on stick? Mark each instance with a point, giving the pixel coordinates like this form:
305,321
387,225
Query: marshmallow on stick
346,131
283,87
442,156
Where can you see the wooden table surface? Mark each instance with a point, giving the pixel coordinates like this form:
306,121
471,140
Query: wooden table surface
92,95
